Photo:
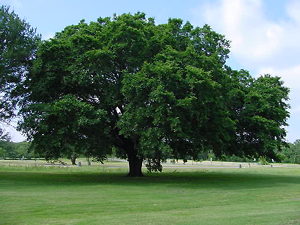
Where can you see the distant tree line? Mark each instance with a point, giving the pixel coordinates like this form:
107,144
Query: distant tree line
288,154
291,153
11,150
21,150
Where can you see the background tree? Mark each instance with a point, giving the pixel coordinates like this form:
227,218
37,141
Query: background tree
11,150
260,110
18,43
291,153
149,91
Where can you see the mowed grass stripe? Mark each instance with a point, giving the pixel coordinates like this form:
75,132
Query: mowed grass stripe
71,196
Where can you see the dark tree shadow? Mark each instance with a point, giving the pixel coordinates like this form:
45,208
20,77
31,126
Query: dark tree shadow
202,179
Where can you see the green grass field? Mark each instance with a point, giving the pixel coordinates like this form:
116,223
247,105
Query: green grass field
98,195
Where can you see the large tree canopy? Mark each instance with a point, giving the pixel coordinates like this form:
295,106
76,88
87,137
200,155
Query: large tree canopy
18,43
150,91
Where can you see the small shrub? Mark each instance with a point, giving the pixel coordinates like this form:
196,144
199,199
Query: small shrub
153,165
263,161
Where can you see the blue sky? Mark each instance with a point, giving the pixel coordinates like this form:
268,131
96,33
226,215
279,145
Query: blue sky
264,34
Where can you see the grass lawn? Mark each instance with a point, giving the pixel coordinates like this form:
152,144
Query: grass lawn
97,195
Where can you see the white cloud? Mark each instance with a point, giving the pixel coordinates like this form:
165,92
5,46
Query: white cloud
293,9
290,75
13,133
254,38
260,44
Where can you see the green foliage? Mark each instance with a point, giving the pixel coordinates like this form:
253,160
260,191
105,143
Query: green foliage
154,165
291,153
263,161
18,43
260,110
234,158
75,127
7,150
11,150
2,153
150,92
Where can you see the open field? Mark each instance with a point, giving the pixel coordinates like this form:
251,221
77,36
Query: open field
119,163
103,195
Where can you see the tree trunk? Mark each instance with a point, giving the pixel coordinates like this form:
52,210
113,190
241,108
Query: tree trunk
130,148
88,161
135,166
73,159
